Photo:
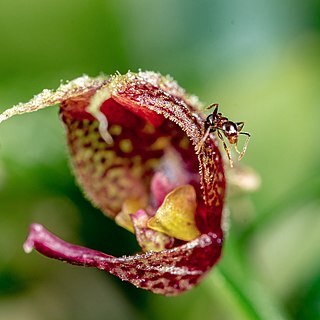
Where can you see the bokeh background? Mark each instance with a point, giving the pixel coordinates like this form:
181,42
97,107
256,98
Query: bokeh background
259,59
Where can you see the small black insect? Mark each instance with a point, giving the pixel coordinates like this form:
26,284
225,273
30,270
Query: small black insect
215,122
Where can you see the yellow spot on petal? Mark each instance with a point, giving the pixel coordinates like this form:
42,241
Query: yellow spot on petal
152,163
184,143
93,126
176,215
148,129
115,130
78,133
160,143
126,145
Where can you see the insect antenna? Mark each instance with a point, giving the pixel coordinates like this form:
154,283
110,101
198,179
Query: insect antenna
214,105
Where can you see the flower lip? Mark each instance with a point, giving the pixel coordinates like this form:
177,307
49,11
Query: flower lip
168,272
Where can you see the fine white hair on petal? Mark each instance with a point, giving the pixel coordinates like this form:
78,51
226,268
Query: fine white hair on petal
46,98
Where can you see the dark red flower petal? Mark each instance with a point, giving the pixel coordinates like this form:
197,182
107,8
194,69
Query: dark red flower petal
167,272
132,140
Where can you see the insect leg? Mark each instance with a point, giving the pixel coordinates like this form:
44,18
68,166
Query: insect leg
241,154
226,148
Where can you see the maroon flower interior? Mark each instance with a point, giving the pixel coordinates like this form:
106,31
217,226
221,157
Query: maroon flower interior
145,158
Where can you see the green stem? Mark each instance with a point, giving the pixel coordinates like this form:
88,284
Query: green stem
250,300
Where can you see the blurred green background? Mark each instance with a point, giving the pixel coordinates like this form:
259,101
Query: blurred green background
259,59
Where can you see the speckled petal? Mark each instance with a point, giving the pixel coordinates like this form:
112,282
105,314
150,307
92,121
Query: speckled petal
168,272
133,140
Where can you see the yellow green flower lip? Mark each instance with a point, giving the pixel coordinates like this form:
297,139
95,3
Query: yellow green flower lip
176,215
132,141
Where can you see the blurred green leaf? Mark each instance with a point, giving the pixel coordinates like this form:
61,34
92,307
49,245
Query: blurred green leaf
259,60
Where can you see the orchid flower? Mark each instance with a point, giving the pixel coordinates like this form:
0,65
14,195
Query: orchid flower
137,152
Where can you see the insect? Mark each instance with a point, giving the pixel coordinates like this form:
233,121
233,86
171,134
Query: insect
216,122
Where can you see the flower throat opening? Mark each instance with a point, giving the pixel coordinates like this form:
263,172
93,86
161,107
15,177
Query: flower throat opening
148,158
